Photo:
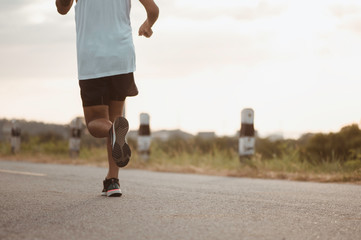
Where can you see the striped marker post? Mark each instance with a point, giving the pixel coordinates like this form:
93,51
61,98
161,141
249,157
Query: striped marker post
15,137
76,126
246,136
144,137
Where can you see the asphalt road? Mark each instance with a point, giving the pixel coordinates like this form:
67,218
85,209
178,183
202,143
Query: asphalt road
47,201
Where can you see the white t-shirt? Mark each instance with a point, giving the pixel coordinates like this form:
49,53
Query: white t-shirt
104,38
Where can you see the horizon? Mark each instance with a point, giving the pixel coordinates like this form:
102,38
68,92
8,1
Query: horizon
296,63
235,134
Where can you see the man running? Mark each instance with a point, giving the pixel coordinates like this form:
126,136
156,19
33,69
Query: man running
106,62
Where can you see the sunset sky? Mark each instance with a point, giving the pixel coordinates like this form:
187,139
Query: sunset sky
297,63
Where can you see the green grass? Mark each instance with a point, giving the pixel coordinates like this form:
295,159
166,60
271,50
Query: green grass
213,160
227,163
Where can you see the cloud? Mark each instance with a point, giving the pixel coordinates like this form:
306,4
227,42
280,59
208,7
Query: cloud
354,25
342,11
262,10
192,36
205,10
33,23
9,5
350,26
348,16
35,40
21,12
199,45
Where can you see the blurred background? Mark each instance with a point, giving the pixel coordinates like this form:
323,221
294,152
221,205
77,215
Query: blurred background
295,63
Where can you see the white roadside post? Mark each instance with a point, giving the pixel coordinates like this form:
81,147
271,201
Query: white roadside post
144,137
246,136
15,137
123,113
76,126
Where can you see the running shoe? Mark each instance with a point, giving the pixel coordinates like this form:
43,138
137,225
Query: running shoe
111,188
120,149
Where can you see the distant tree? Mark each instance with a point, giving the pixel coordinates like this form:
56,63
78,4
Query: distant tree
342,146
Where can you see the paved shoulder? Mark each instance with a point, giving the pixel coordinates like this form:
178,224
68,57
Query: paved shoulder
48,201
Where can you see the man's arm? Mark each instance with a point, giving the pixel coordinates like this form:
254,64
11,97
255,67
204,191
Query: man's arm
152,15
63,6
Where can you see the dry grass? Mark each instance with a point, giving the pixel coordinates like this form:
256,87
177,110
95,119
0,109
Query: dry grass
215,163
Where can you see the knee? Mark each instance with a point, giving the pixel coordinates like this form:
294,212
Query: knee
99,128
93,131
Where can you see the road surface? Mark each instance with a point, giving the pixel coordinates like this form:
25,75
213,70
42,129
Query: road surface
48,201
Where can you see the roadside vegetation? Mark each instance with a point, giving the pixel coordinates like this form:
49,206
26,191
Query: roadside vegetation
332,157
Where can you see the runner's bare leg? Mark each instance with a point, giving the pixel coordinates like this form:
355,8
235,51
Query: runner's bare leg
99,120
115,110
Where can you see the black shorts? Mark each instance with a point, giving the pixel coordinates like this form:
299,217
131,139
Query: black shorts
99,91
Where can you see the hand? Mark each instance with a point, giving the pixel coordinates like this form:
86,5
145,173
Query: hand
145,30
63,6
65,3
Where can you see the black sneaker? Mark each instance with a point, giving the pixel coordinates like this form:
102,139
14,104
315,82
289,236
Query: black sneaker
120,150
111,188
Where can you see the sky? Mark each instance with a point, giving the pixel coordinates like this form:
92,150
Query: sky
296,63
